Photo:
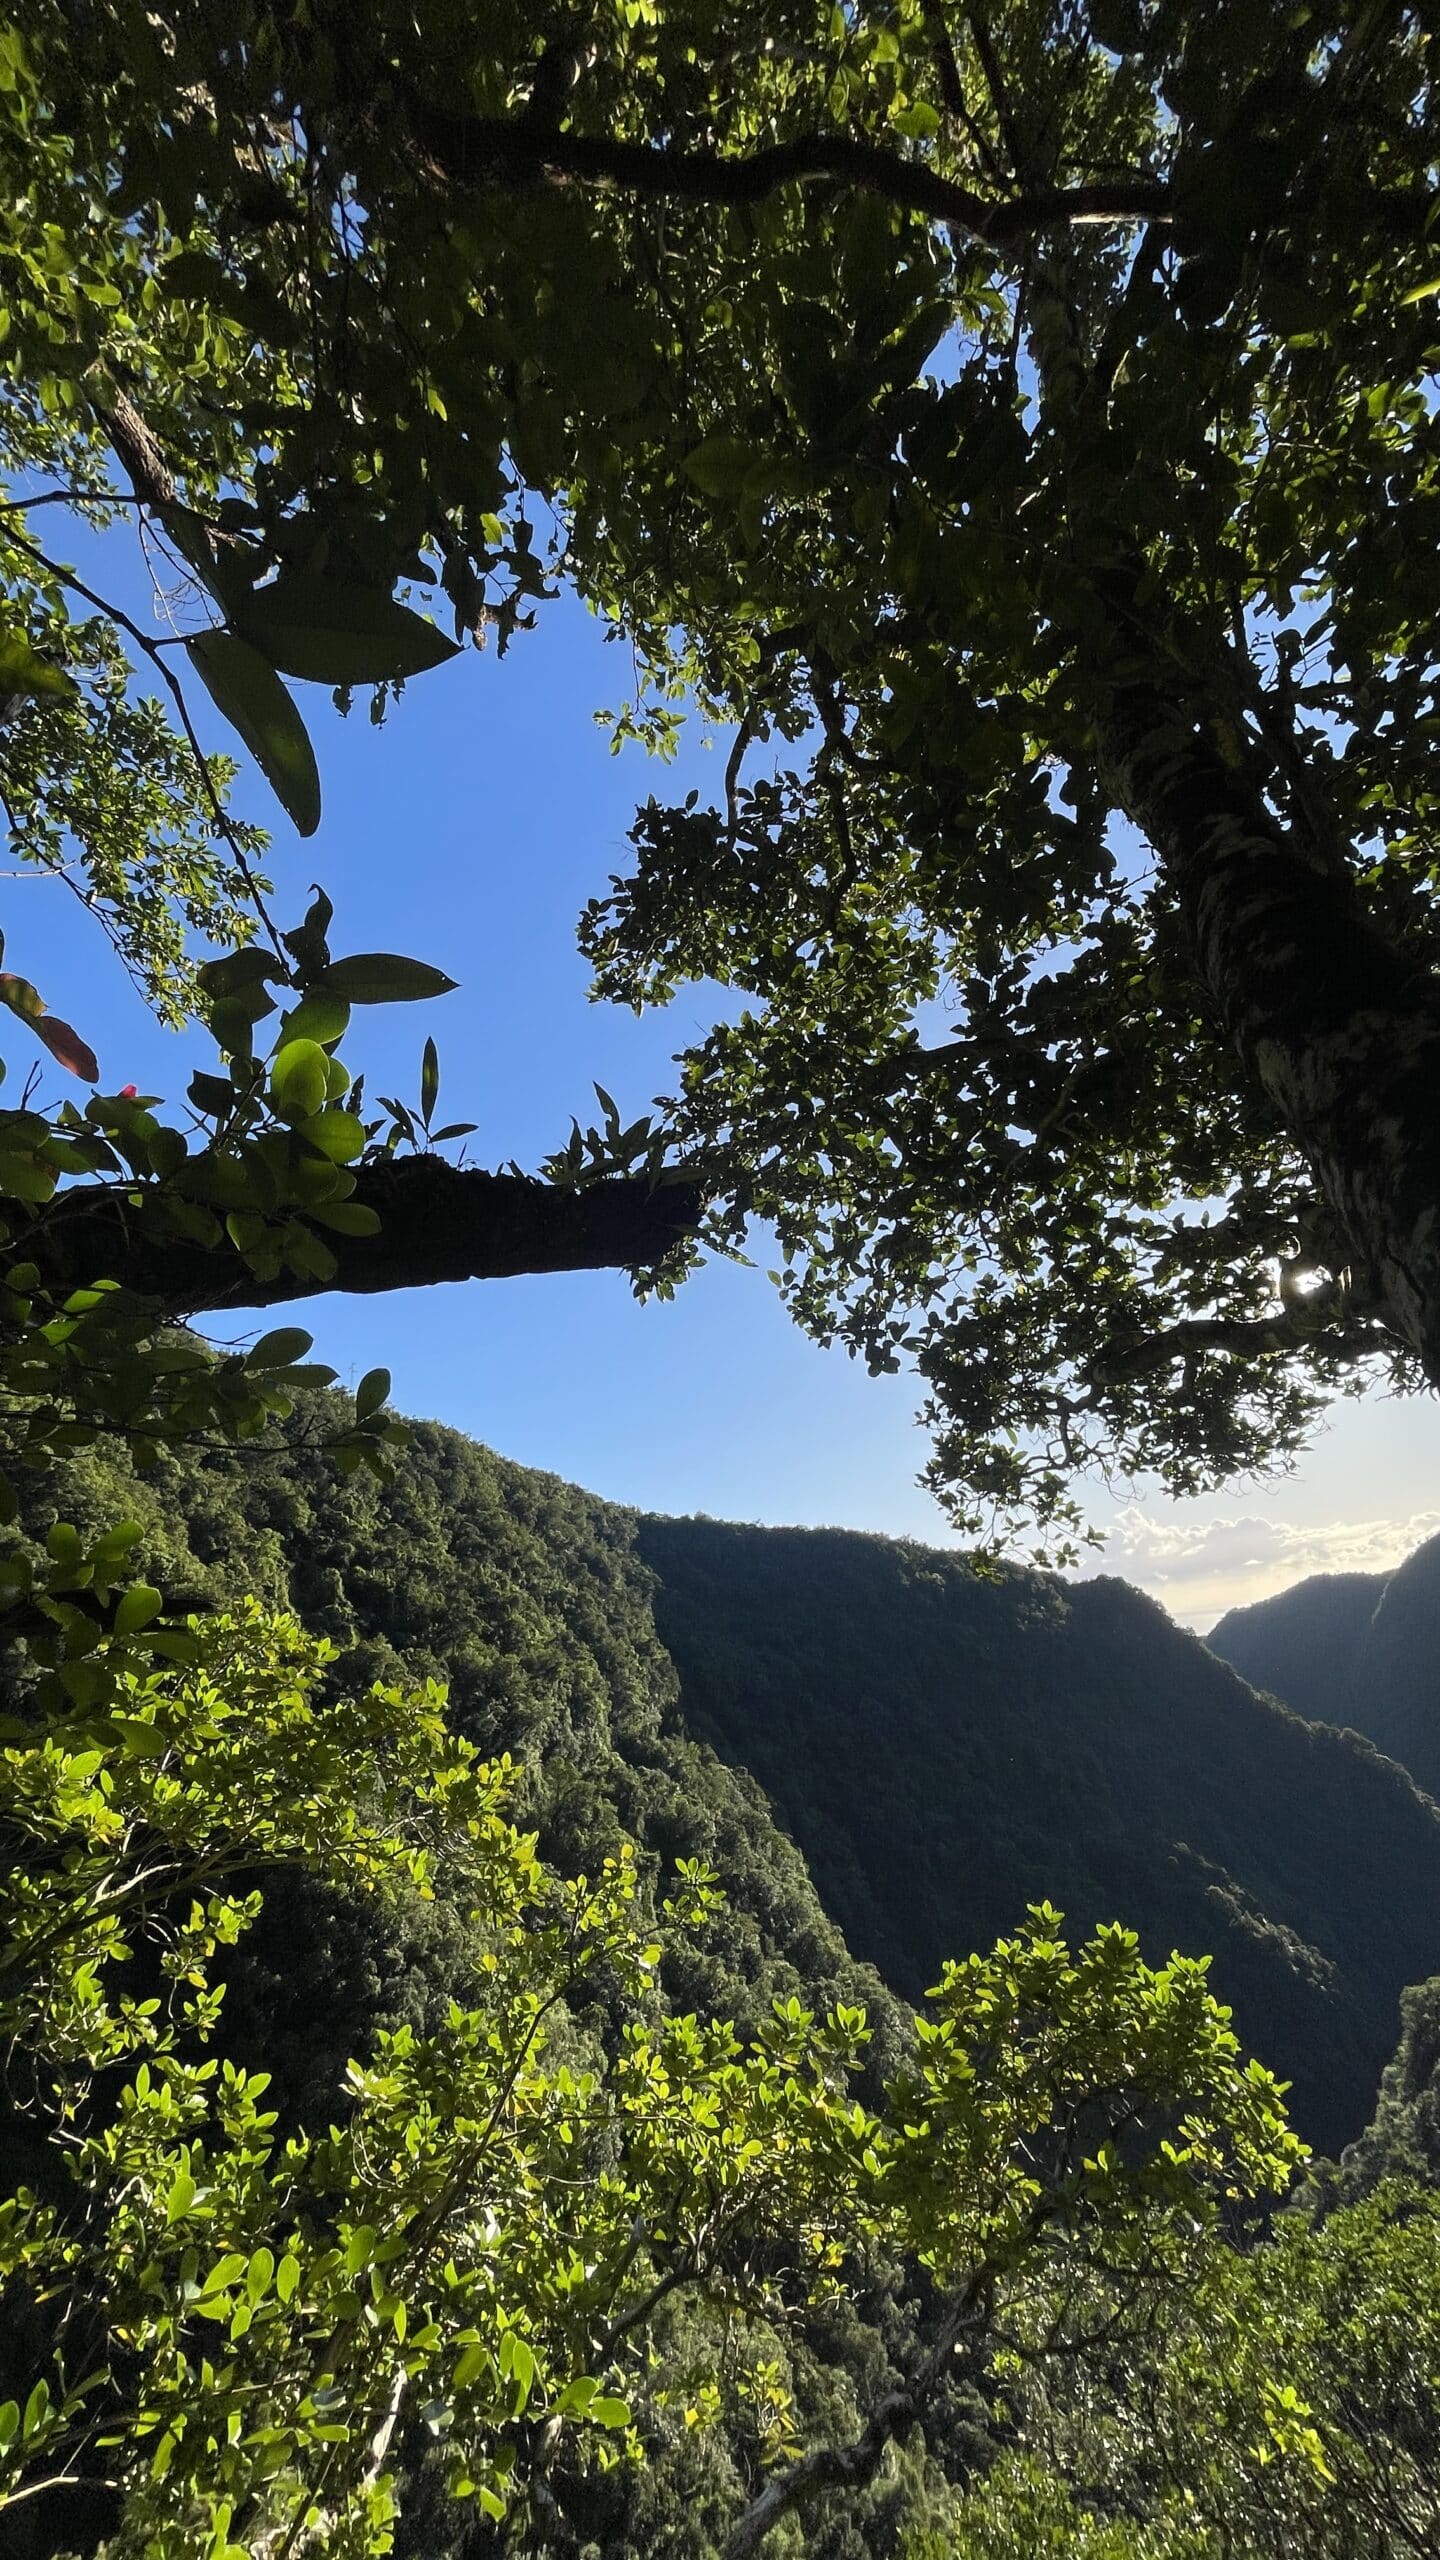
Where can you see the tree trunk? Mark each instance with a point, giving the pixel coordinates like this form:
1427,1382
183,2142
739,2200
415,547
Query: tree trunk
436,1223
1336,1026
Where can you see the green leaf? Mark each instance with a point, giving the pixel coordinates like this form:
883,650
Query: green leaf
224,2272
328,633
248,693
181,2196
236,974
24,671
212,1095
276,1350
345,1217
322,1018
226,569
307,943
720,466
298,1078
517,2361
371,1393
138,1738
21,1178
918,121
359,2249
20,996
429,1081
138,1606
609,2413
382,977
337,1134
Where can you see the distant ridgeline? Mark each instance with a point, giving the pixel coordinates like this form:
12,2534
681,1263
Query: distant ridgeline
940,1748
1359,1649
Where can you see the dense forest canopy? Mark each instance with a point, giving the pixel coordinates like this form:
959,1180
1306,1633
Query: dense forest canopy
1016,423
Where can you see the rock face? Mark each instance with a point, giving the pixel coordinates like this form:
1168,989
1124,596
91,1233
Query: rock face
945,1748
1359,1649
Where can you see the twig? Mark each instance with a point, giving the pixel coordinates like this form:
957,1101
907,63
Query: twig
151,650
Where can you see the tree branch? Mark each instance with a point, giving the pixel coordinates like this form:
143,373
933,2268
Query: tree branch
437,1223
1279,1336
850,2466
131,441
151,650
506,151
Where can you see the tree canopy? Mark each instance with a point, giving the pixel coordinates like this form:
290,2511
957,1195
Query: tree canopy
1016,422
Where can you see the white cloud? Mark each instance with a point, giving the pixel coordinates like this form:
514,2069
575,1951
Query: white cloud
1200,1568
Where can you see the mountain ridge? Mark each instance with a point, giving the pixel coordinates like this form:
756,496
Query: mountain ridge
1361,1650
1104,1761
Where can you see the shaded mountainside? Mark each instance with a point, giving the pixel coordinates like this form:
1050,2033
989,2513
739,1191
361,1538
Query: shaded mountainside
525,1595
1303,1646
940,1748
1359,1649
945,1747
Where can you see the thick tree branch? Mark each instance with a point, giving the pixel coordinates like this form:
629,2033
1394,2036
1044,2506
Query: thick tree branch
1258,1338
506,151
476,151
850,2466
437,1223
131,441
1334,1022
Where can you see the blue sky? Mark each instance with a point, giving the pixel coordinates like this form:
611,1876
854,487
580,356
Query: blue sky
469,832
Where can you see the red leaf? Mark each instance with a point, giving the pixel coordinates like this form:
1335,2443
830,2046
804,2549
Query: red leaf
67,1046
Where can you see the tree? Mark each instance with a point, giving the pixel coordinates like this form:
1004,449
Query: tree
1287,2404
234,2336
1022,412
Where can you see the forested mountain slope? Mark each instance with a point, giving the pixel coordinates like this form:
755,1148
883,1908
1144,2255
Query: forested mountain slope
1361,1649
1303,1645
941,1748
525,1595
945,1747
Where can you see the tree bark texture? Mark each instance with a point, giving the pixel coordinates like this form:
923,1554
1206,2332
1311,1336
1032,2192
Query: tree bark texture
436,1223
1335,1024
